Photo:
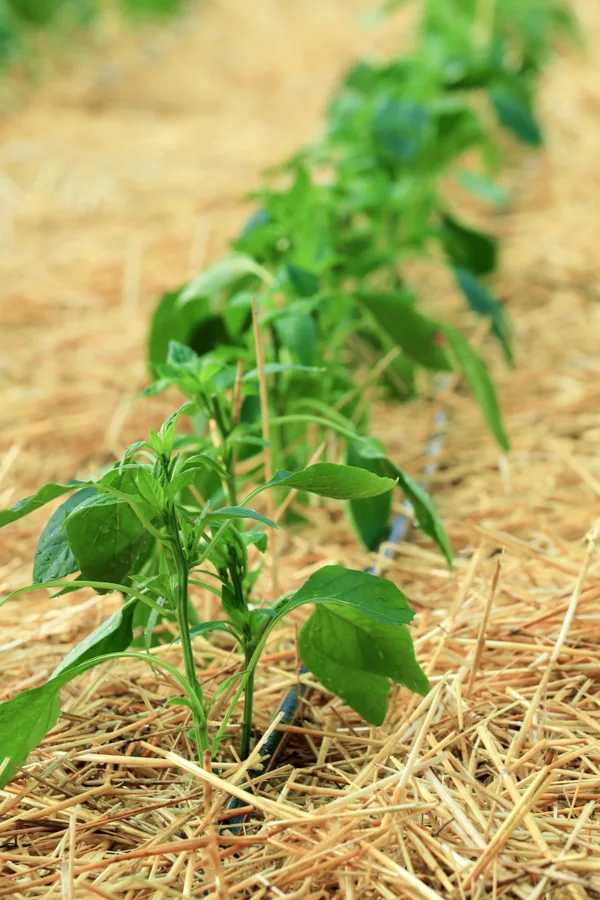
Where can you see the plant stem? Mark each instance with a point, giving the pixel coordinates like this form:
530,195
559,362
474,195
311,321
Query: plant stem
229,456
248,704
181,565
231,489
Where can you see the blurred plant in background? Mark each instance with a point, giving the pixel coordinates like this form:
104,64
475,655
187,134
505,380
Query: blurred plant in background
21,19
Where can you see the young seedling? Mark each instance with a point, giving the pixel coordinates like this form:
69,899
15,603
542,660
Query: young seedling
145,529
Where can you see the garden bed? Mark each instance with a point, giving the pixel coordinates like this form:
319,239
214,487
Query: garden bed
488,784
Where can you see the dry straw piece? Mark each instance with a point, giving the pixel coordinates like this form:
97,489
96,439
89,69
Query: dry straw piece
489,786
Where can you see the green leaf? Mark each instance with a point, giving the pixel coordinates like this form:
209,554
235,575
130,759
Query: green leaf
169,322
45,495
193,315
515,113
180,701
256,539
298,333
355,656
221,275
28,717
240,512
25,721
483,187
202,471
53,556
377,597
106,538
305,283
370,515
467,248
179,354
425,513
112,636
478,378
150,489
208,627
482,302
336,481
400,127
418,336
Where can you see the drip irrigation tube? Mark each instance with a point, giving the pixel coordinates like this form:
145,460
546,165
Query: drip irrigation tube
291,706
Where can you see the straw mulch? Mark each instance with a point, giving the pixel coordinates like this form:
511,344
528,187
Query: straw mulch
114,190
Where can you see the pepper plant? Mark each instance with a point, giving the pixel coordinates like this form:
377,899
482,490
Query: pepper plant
206,381
151,528
328,254
324,257
19,19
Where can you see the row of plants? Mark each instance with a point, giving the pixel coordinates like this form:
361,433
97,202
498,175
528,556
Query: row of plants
21,19
278,350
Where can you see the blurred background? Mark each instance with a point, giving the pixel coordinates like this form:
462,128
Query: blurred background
129,134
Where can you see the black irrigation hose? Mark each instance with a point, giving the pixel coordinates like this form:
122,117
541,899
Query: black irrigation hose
291,706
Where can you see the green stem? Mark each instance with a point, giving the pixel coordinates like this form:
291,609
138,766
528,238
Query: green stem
231,488
248,703
181,566
278,398
228,454
258,647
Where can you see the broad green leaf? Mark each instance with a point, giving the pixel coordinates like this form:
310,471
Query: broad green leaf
112,636
376,597
25,720
220,276
467,248
418,336
205,481
370,515
305,283
256,539
478,378
355,656
179,354
202,461
170,322
400,127
258,218
240,512
150,489
53,557
425,513
28,717
237,313
45,495
482,302
336,481
515,113
298,333
106,538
